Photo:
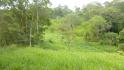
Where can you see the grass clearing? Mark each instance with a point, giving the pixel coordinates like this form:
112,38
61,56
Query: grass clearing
44,59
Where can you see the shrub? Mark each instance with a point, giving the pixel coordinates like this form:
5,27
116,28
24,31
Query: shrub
121,36
110,38
121,46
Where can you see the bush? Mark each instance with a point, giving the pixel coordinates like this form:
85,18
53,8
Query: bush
121,46
110,38
121,36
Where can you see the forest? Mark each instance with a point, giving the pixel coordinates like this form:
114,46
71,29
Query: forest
36,36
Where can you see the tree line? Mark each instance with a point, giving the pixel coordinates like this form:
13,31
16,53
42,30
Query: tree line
25,21
95,22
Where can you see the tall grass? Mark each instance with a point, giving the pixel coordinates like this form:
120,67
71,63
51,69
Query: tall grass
44,59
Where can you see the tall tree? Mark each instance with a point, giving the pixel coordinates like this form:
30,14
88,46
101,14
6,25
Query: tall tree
22,20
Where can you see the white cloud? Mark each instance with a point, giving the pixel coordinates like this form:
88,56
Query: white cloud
74,3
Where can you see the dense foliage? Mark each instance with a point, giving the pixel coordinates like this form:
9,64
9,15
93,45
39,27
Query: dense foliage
95,22
22,21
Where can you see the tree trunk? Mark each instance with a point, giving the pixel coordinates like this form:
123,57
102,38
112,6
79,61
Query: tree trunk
37,19
30,35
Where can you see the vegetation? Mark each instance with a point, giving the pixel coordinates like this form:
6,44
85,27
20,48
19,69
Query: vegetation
40,59
24,22
34,35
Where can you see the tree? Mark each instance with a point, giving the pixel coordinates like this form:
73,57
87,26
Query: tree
66,25
93,29
114,16
22,22
91,10
60,11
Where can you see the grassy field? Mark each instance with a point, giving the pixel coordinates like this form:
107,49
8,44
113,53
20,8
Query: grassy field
46,59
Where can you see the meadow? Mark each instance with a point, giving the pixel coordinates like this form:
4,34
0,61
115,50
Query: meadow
36,58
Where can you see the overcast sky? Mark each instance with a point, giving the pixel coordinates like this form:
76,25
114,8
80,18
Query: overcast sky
74,3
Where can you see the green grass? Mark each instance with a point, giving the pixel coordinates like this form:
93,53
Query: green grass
44,59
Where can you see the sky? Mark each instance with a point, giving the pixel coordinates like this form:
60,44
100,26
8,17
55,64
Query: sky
74,3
